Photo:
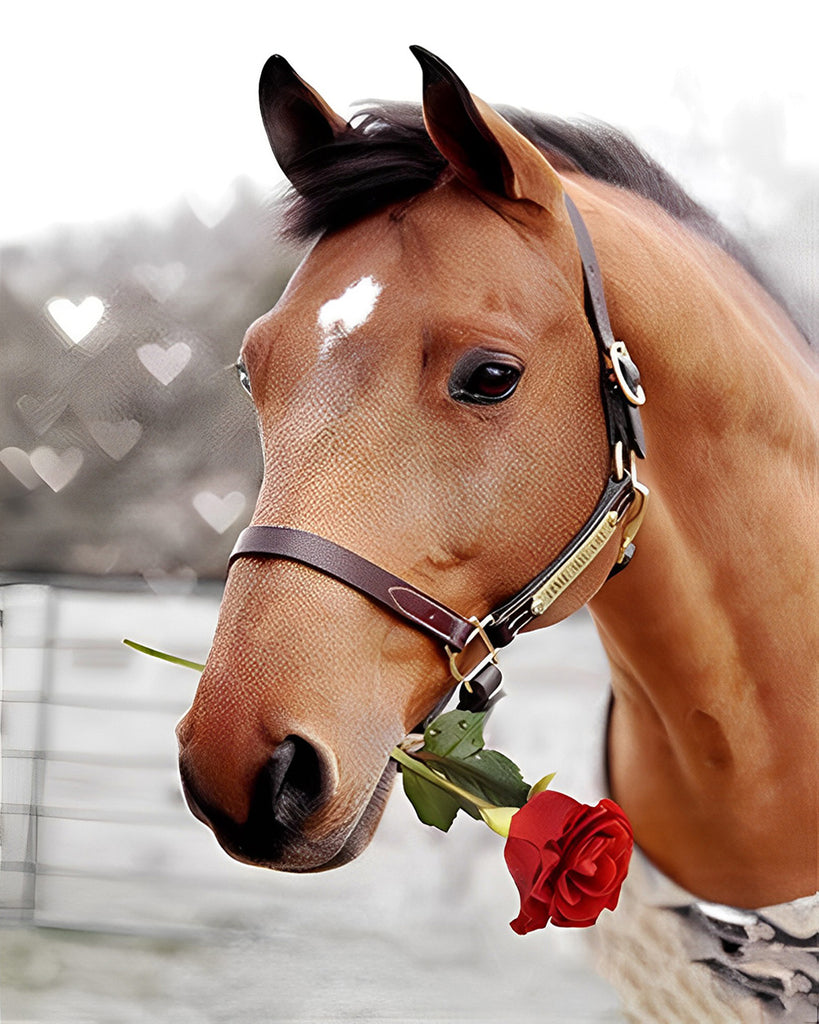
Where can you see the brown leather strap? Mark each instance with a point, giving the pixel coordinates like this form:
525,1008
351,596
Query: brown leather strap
622,418
391,591
598,314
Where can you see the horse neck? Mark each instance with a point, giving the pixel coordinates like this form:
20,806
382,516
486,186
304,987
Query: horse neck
715,599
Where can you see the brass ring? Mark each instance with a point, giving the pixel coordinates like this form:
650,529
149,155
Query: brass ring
491,655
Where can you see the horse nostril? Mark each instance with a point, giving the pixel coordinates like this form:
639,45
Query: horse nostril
289,787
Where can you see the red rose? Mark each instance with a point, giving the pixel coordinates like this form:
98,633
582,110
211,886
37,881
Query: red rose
568,860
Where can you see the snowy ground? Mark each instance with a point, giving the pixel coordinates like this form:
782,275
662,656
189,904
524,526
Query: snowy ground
119,907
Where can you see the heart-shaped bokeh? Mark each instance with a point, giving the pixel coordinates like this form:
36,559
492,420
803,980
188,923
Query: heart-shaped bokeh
165,364
57,469
219,513
76,320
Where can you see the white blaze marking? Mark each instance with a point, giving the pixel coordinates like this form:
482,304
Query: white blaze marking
337,317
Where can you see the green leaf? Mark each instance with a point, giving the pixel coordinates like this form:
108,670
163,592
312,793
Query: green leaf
487,774
432,805
411,762
454,764
455,734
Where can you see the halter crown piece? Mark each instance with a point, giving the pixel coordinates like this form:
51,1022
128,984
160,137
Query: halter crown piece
622,503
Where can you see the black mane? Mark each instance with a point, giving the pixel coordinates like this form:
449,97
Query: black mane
389,158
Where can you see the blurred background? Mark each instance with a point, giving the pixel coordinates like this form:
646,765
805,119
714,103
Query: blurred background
138,226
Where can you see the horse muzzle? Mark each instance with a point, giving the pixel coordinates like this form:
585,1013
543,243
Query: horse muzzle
295,820
285,756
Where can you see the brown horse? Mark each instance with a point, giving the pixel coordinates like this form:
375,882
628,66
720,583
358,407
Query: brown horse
428,392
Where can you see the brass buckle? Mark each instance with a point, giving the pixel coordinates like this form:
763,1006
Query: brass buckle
618,354
633,519
490,657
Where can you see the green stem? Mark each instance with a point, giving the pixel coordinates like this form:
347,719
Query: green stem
397,754
164,657
437,780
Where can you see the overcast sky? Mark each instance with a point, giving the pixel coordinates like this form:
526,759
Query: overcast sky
110,108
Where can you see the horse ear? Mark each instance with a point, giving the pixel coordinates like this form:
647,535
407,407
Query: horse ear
296,118
483,149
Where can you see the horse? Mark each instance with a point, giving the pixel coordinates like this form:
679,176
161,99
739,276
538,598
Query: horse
434,404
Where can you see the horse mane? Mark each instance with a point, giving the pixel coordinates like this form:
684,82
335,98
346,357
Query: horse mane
388,157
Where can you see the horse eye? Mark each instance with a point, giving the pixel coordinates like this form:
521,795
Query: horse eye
244,379
481,378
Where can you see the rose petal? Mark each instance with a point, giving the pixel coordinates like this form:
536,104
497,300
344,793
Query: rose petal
613,900
524,862
549,868
522,925
577,917
567,891
529,922
585,909
544,817
589,851
598,823
601,879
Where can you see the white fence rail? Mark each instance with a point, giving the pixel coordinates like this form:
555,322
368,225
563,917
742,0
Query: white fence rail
91,811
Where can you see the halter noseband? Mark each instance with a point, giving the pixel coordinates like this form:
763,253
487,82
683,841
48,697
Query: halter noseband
622,503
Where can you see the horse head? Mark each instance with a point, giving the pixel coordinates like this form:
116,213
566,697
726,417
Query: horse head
428,394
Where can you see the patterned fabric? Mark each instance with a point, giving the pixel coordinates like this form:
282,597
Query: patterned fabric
678,960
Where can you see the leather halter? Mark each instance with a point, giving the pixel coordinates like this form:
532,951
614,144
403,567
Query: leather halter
622,503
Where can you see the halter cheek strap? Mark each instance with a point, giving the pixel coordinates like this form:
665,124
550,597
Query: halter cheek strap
621,504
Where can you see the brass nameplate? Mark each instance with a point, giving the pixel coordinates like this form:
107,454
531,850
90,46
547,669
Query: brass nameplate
566,574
